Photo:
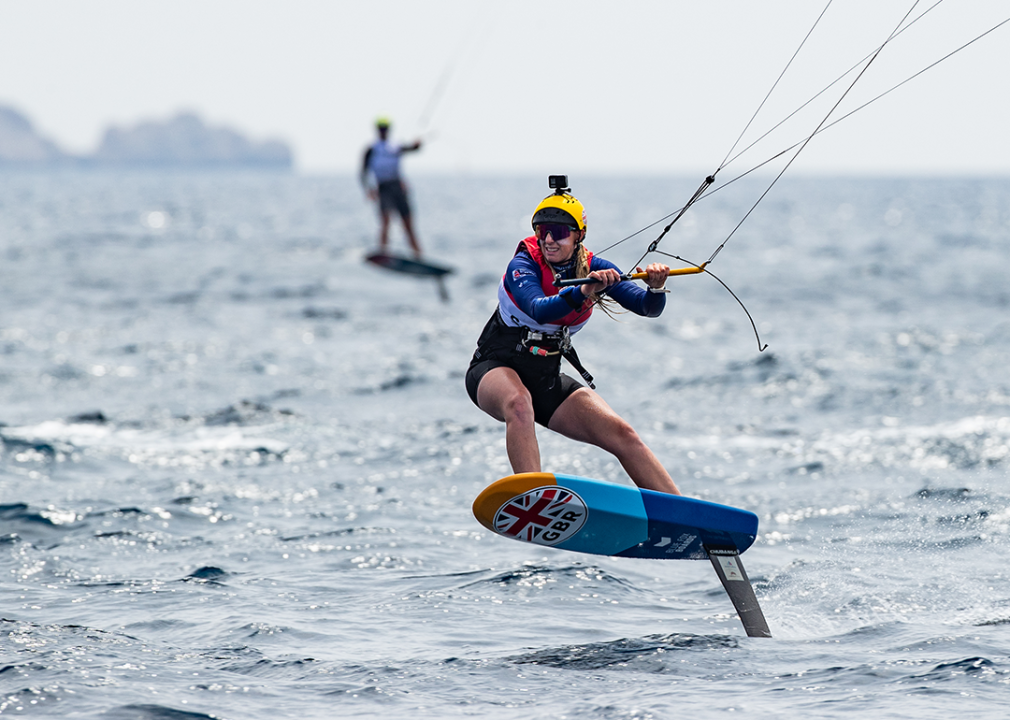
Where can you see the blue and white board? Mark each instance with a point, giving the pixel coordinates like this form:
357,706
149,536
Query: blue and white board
576,513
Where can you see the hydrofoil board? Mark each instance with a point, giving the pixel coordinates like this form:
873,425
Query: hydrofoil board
407,266
584,515
413,266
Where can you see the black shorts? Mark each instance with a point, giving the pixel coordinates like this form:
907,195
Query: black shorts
542,376
392,196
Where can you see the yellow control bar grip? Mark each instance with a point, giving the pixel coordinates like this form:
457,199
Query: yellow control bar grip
673,271
632,276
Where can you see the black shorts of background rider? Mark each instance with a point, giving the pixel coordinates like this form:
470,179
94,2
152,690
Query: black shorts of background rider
392,197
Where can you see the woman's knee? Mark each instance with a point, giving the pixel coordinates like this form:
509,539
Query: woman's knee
504,398
518,406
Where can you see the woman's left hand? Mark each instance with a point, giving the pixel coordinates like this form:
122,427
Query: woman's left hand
658,273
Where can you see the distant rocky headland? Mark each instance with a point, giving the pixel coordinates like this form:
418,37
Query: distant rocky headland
184,141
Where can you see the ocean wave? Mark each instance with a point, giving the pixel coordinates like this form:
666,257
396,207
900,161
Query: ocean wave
538,577
970,443
179,443
152,711
651,654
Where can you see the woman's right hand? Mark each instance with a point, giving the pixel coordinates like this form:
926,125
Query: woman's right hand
604,279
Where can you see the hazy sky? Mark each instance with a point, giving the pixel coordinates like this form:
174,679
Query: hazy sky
525,86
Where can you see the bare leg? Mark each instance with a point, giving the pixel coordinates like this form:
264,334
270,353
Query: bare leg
502,395
586,417
383,231
408,226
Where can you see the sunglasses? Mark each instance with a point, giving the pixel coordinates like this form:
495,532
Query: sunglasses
557,231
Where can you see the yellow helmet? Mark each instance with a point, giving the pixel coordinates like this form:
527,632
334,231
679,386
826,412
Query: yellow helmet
382,122
560,208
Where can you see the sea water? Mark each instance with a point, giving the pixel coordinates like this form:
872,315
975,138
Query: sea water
237,462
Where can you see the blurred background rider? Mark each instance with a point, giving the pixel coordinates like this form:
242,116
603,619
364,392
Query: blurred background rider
380,176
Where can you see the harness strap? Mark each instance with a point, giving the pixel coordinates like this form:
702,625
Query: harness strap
572,357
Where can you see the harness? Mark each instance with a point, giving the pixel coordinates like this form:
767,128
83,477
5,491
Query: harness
544,344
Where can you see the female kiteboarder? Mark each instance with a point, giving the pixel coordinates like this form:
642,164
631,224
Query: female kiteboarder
515,374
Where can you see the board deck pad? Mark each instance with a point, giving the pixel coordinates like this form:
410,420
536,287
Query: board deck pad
408,266
575,513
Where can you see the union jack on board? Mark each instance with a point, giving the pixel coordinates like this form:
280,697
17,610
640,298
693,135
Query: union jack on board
527,516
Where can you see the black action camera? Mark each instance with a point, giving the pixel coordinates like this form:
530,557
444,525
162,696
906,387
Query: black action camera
558,182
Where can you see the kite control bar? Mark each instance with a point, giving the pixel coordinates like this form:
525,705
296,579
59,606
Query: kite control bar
631,276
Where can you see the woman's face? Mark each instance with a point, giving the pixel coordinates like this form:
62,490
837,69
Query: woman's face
557,242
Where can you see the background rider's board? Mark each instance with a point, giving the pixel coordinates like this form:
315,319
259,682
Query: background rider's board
575,513
408,266
413,266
